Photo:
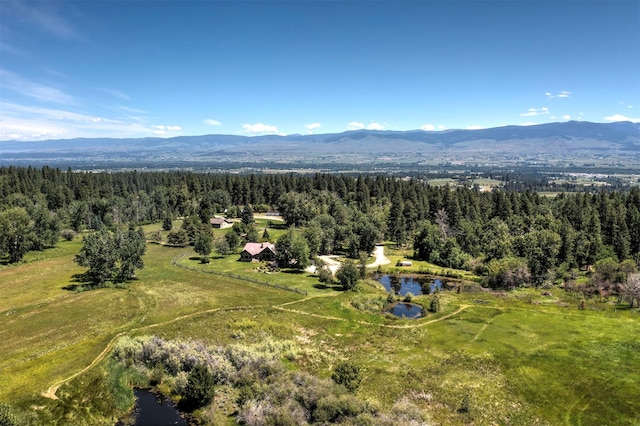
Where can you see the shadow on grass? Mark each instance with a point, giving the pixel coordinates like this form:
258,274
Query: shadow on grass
324,286
82,282
293,271
273,225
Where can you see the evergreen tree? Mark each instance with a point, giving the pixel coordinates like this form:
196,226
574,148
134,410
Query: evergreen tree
178,238
200,389
247,215
232,239
167,223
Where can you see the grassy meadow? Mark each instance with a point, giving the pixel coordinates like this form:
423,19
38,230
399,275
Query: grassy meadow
518,358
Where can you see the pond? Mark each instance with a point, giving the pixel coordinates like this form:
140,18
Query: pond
153,410
403,284
405,310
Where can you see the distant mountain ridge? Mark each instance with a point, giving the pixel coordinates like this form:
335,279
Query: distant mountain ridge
572,139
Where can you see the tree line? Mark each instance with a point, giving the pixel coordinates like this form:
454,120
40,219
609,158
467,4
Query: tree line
514,235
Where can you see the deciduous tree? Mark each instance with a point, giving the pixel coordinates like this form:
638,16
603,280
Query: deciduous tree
16,233
292,250
203,244
348,274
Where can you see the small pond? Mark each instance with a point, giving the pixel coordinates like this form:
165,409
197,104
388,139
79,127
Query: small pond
403,284
405,310
153,410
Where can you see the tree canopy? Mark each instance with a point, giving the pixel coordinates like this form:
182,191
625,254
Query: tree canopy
111,257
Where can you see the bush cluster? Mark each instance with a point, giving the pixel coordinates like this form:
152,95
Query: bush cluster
268,392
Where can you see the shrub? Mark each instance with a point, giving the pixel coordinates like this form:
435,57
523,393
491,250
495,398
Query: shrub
325,275
336,409
68,234
7,417
199,390
347,374
434,305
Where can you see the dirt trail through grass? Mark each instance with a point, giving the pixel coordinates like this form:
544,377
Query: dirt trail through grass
51,391
403,326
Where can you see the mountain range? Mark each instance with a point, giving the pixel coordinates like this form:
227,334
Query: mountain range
572,142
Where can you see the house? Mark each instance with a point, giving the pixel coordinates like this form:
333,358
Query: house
220,222
258,252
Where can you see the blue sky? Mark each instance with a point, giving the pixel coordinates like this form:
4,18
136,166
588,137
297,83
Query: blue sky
167,68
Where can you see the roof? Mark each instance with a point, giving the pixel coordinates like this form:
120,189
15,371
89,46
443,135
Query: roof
219,220
255,249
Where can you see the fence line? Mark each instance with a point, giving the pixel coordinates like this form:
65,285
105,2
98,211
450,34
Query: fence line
175,260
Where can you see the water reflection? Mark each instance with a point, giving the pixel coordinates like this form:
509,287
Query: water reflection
403,284
406,310
153,410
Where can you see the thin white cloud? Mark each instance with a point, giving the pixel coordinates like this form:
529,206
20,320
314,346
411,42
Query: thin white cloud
28,122
212,122
620,117
561,94
37,91
13,50
115,93
132,110
528,123
355,125
163,128
375,126
259,128
441,127
428,127
533,112
566,117
313,126
45,16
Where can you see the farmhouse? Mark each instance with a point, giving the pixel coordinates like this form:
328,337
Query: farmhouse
258,251
220,222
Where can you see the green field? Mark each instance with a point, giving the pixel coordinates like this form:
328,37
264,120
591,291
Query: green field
517,358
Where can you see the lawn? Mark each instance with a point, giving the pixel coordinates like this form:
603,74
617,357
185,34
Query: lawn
507,358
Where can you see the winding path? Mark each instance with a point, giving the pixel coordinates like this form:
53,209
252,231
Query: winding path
334,265
51,390
381,259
